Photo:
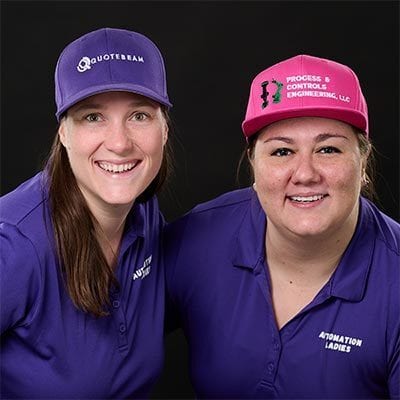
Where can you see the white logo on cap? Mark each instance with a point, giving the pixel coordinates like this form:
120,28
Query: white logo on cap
312,86
86,63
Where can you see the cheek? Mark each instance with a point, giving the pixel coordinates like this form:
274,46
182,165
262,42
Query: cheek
75,147
79,148
153,144
347,175
268,177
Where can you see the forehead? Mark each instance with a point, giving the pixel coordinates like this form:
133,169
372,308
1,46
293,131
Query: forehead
306,127
104,99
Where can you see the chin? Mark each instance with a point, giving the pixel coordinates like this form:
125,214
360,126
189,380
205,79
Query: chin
120,200
309,230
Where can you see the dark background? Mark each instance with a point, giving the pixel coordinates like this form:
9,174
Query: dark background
212,52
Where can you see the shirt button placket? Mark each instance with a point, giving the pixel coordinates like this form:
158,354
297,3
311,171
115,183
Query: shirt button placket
116,303
267,384
119,318
272,365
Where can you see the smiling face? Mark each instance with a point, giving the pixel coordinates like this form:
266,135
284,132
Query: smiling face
115,144
307,175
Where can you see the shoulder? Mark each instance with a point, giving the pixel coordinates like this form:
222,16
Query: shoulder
208,228
224,202
21,271
382,235
25,203
25,237
225,206
385,229
212,219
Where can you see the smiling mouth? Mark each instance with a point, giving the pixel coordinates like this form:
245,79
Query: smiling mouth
117,168
307,199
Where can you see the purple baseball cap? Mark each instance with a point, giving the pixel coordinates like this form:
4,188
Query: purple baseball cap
106,60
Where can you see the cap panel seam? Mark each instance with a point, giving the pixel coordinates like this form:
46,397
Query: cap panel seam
301,73
108,52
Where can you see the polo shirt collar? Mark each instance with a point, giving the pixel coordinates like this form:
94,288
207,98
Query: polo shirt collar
249,248
350,278
348,281
135,226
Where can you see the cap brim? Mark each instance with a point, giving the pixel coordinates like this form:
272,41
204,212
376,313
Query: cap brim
352,117
93,90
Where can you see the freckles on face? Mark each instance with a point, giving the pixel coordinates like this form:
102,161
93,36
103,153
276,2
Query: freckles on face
307,170
115,143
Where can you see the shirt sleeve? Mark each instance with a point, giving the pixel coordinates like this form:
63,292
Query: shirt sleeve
172,240
394,370
19,278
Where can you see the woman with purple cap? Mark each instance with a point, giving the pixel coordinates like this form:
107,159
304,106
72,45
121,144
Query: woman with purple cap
290,288
82,288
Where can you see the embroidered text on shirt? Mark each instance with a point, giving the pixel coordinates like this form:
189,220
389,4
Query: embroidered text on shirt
342,343
143,271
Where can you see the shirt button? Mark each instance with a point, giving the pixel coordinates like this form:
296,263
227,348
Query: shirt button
270,367
122,328
116,303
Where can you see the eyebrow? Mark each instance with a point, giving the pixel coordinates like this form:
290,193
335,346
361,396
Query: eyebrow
279,139
98,106
325,136
320,138
87,106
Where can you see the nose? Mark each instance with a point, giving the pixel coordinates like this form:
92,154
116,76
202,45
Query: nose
305,170
118,138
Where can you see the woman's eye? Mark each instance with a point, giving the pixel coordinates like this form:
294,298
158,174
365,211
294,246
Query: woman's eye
140,116
281,152
93,117
329,150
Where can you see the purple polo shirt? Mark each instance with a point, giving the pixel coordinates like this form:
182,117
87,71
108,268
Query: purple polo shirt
344,345
50,349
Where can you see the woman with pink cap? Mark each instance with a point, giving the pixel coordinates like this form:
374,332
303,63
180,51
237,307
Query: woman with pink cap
82,288
290,288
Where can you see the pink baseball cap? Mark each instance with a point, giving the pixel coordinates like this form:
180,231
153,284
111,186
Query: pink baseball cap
305,86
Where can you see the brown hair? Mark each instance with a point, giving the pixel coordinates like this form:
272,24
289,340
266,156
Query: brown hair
86,272
366,148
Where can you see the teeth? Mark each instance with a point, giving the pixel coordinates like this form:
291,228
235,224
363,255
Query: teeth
307,199
116,168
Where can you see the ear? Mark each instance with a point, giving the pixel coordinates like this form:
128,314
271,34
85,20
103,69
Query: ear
365,157
367,154
165,134
62,133
250,157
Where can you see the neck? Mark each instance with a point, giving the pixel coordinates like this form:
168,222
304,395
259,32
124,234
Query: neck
305,259
110,227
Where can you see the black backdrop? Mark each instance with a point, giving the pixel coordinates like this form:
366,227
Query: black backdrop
212,51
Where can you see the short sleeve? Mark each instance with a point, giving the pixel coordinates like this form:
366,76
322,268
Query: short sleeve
394,364
173,235
19,278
